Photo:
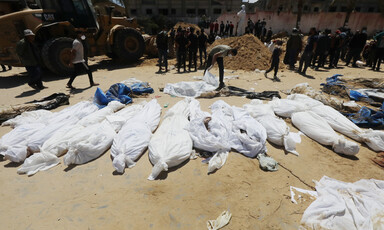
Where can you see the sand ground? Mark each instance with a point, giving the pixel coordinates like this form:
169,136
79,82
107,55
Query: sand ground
93,196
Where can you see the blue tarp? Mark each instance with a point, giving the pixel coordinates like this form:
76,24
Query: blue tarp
367,118
120,92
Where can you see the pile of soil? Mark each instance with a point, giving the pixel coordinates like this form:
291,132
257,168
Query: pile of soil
185,25
251,53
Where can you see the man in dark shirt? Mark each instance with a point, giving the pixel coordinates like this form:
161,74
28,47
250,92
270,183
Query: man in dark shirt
181,43
192,48
202,41
306,57
356,45
162,46
221,28
294,46
216,27
335,49
231,26
322,49
226,29
275,59
29,55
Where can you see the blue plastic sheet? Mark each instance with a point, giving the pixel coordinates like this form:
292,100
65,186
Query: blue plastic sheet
354,95
120,92
367,118
140,88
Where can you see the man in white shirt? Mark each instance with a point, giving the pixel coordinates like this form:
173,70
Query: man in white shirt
78,62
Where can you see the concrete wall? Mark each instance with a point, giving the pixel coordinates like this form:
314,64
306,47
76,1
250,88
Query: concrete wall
332,20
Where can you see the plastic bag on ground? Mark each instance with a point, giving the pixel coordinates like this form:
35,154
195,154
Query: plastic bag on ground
171,144
220,222
319,130
342,205
278,132
134,137
267,163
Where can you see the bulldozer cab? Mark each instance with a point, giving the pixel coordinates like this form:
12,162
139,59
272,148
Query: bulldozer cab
80,13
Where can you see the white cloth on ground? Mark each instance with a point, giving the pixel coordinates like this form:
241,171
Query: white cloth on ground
171,144
193,88
319,130
277,130
36,116
37,133
134,137
341,205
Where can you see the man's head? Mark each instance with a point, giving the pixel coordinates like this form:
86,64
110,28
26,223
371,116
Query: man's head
232,52
312,31
29,35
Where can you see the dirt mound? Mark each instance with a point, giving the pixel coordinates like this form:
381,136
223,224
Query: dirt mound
184,25
251,53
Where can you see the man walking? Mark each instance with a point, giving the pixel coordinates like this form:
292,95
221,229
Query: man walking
78,62
28,53
217,54
162,47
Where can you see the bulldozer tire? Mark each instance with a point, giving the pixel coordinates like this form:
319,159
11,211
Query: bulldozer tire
129,45
56,55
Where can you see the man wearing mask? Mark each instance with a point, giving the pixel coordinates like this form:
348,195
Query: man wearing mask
217,54
29,56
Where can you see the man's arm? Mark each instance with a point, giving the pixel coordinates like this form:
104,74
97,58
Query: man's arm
73,55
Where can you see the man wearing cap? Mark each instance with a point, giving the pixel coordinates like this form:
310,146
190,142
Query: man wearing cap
29,56
78,62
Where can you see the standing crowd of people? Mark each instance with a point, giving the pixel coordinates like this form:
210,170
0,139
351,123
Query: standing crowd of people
187,42
323,46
